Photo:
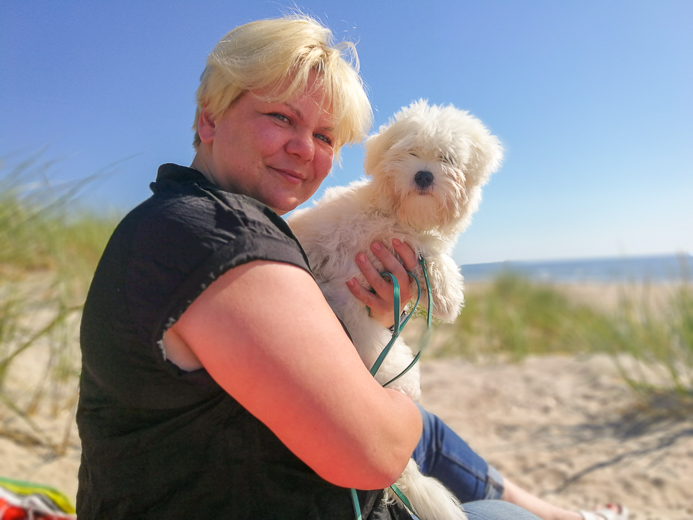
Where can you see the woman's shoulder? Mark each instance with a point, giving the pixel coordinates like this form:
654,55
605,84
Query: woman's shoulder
184,206
190,228
183,198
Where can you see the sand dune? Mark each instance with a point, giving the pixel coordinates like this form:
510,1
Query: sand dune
564,427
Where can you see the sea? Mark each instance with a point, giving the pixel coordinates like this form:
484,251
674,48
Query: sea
637,269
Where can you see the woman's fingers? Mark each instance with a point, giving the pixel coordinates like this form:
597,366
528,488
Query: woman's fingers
381,300
368,298
407,254
373,299
392,265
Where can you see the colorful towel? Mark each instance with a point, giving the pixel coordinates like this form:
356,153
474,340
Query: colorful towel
27,501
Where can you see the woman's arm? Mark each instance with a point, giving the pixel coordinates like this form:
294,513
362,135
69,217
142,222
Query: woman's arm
266,334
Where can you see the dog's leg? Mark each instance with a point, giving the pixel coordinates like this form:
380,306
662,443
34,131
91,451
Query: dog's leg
447,286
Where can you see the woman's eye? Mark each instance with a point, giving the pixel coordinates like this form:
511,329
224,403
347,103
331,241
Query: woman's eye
281,117
324,138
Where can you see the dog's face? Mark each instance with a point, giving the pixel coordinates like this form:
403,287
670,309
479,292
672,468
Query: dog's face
428,166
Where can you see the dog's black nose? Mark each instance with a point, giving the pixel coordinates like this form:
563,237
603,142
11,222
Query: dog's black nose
423,178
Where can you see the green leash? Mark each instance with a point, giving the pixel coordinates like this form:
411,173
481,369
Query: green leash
357,506
404,499
397,328
426,336
423,343
395,489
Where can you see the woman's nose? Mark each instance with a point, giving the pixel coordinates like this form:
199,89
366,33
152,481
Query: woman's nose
301,145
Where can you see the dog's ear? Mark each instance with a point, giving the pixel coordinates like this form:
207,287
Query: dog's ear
487,153
396,128
376,146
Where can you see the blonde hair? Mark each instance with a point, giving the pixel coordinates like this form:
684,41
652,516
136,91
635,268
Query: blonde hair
269,54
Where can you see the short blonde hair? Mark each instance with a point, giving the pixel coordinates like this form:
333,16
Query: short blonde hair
269,54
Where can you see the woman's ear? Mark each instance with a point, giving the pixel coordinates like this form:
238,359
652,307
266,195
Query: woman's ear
206,126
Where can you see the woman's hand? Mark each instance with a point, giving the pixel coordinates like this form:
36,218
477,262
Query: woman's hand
382,302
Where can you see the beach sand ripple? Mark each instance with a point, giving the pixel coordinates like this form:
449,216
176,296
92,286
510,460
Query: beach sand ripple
568,429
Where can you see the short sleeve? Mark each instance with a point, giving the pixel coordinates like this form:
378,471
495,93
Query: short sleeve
190,239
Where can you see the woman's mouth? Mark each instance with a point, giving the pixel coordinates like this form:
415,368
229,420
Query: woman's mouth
291,176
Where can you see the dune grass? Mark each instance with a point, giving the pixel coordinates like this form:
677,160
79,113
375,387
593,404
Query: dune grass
651,344
653,347
514,317
48,253
49,249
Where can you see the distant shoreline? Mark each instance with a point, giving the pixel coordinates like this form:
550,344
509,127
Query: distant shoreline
638,269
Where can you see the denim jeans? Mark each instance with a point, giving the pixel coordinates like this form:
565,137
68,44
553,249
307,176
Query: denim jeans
496,510
442,454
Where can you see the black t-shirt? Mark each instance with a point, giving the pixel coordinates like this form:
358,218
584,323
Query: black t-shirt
159,442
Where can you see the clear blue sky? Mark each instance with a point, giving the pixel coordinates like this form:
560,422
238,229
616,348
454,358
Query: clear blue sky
592,99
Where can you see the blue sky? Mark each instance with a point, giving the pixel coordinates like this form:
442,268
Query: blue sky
593,101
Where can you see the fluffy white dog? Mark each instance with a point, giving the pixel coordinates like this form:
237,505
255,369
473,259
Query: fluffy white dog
428,165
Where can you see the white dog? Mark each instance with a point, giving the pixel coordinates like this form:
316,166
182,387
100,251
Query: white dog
427,167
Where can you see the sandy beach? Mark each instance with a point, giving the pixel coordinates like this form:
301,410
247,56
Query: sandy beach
567,429
564,427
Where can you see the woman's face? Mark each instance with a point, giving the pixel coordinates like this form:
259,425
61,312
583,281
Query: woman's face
277,153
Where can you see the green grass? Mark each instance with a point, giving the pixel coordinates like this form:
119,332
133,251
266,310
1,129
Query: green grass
515,317
653,347
41,225
48,252
651,344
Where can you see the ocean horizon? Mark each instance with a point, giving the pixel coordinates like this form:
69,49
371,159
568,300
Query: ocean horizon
635,269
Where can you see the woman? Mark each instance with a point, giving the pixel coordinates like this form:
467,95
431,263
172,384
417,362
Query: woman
217,382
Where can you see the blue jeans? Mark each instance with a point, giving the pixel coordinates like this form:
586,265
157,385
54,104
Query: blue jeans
496,510
443,455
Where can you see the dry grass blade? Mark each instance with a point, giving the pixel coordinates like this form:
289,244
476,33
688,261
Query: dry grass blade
49,248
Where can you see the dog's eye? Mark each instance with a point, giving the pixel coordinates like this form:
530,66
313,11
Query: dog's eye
448,160
413,154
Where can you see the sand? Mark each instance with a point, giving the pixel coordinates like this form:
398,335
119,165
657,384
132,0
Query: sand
564,427
568,430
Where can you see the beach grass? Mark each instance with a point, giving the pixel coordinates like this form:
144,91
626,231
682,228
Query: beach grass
50,245
652,347
650,340
49,248
514,317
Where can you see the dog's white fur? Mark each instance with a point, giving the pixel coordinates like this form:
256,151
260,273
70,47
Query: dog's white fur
458,154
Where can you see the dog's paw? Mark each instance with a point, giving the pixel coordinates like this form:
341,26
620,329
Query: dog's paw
447,310
447,287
